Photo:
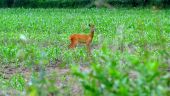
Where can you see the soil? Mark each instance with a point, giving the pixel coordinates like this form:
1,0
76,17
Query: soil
69,82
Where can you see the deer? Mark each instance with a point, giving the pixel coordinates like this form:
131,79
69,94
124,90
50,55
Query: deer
82,38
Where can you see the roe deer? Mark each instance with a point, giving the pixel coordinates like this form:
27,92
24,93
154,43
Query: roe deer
82,38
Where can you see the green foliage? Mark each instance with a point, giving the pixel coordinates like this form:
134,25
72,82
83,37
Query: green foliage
130,50
139,76
17,82
41,85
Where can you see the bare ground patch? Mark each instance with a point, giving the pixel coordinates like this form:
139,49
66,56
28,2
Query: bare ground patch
65,81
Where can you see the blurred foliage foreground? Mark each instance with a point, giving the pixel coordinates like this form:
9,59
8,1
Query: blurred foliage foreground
130,52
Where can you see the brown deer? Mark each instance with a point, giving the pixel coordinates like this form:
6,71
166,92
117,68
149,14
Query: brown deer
83,38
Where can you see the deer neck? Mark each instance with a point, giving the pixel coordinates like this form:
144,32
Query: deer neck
92,32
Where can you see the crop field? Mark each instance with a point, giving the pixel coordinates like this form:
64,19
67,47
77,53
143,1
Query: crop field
129,53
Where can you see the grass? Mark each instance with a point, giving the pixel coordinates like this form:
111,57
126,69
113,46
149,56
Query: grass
130,36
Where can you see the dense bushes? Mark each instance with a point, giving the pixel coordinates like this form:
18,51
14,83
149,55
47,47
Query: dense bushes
79,3
43,3
135,3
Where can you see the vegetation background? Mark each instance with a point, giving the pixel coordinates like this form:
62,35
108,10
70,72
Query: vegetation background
130,49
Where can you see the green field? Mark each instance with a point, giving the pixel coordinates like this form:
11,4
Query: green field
130,52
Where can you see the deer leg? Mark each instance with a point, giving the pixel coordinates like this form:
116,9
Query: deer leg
70,46
88,47
73,44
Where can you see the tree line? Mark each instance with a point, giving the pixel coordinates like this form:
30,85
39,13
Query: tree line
82,3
